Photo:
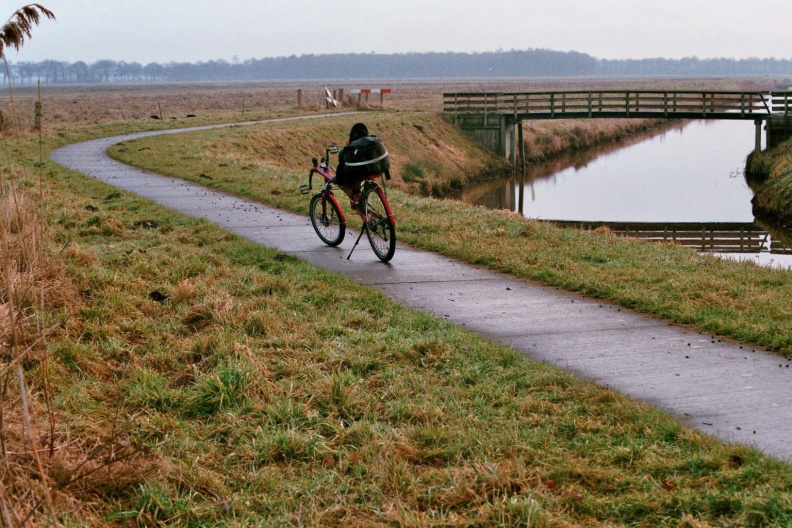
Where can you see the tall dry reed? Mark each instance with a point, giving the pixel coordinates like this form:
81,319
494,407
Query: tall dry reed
26,277
25,495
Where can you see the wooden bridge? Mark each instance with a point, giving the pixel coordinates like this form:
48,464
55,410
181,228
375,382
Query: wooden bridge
488,115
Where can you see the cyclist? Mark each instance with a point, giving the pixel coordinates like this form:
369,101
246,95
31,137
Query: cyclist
346,184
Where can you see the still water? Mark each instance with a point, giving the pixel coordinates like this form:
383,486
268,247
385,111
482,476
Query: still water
691,173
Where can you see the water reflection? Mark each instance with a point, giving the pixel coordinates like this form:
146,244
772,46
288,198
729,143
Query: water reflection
690,173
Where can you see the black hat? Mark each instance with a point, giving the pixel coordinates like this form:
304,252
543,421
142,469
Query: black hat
358,131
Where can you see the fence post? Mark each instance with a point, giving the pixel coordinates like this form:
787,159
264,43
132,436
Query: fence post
37,118
299,98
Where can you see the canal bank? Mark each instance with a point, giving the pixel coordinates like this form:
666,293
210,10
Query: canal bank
546,143
769,173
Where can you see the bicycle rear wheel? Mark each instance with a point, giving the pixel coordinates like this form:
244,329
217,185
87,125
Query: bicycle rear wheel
327,219
381,229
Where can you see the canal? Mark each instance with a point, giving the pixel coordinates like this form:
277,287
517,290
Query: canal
693,172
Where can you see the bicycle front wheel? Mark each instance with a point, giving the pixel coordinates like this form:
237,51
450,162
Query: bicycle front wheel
381,229
327,219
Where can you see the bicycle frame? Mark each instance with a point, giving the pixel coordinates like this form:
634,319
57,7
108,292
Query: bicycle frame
327,172
378,221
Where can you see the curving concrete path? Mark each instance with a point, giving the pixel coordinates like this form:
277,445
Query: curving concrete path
733,392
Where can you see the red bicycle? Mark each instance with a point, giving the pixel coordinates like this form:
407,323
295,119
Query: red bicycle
367,198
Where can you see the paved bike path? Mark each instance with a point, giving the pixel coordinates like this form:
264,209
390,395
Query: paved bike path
736,393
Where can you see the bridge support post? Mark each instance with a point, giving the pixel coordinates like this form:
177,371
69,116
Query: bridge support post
513,144
779,129
758,143
502,127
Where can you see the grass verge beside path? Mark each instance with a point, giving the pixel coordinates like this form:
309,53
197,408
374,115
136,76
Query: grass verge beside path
268,162
247,387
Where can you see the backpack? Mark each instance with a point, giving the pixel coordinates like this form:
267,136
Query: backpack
365,157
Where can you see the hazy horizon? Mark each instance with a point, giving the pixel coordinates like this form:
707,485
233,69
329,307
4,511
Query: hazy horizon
194,31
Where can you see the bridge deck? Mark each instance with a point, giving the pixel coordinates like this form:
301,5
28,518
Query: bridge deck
619,104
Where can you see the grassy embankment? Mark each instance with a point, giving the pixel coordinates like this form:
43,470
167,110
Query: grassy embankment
197,379
267,163
770,176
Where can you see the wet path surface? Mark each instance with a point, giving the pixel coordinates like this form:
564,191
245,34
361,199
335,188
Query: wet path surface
726,390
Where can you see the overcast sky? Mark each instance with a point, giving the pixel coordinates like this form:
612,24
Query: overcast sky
200,30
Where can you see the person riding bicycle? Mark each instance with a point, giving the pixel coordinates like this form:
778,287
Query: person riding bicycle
359,130
362,161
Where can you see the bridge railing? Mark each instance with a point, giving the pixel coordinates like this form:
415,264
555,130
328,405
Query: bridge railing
626,103
720,237
782,103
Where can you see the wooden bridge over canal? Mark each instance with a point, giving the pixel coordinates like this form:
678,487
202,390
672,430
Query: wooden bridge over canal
496,118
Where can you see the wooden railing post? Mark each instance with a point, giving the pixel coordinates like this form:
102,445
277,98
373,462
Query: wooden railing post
502,133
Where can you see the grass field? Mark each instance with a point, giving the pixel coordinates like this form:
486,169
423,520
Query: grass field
184,377
268,163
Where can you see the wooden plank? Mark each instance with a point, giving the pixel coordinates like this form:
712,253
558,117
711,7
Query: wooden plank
716,237
722,235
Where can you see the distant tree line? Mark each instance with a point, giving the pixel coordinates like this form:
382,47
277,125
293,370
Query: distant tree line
499,64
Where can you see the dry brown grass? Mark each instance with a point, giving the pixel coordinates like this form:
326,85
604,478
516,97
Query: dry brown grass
50,464
69,105
28,277
30,274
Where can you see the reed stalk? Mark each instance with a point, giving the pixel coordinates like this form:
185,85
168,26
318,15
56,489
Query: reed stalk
23,269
